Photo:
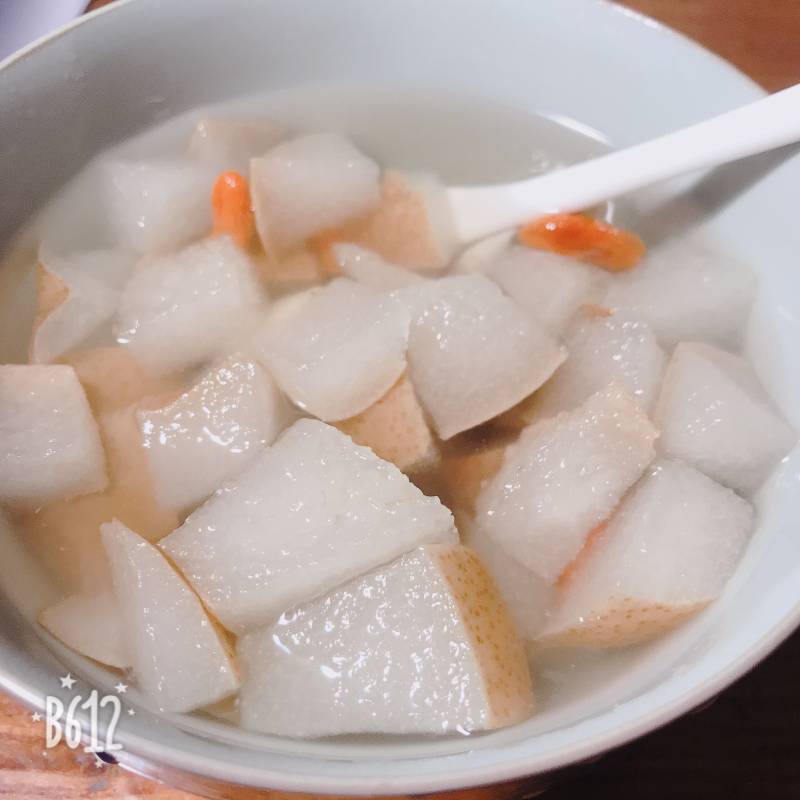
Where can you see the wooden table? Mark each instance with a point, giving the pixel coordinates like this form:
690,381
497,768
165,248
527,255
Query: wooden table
745,745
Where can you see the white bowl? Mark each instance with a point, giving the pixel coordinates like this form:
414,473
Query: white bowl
142,61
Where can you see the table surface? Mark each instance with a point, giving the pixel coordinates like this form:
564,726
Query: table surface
744,745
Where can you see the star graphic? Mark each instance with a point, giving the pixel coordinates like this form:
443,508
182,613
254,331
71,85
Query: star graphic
131,712
67,682
36,716
98,762
121,688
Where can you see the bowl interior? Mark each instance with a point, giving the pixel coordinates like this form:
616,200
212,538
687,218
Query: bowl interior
577,59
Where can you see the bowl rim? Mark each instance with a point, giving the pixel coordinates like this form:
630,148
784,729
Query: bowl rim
184,762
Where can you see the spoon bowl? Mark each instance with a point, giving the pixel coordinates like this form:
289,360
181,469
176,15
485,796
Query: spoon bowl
765,124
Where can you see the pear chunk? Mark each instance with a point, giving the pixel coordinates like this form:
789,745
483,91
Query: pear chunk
91,624
563,477
179,658
395,429
423,645
336,350
212,432
664,556
313,511
156,206
76,295
715,415
529,598
229,144
603,349
472,352
411,227
549,286
184,308
686,293
369,268
49,442
309,184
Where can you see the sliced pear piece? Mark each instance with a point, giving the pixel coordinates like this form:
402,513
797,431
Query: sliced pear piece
563,477
156,206
228,144
469,466
311,512
181,309
714,414
337,352
132,483
49,443
308,184
602,348
179,658
423,645
664,556
372,270
212,432
51,293
91,624
683,291
529,598
547,285
411,226
76,295
480,256
395,429
472,352
294,272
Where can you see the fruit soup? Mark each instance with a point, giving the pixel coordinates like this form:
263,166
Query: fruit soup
291,455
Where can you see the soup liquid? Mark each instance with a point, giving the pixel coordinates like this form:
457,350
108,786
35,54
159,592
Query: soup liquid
462,140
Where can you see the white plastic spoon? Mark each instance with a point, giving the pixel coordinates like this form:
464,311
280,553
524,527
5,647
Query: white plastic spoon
480,211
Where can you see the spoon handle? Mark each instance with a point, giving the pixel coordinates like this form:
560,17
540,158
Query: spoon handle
757,127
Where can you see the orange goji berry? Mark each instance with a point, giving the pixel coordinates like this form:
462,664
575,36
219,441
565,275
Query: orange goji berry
582,237
232,211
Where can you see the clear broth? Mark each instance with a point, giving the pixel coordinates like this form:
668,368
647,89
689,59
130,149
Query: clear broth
437,132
